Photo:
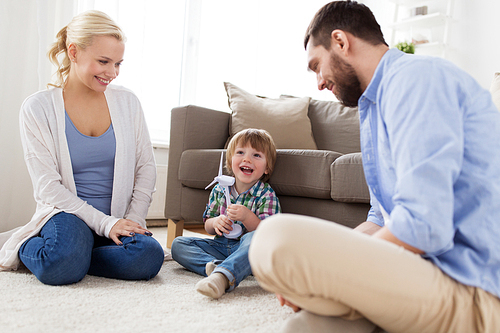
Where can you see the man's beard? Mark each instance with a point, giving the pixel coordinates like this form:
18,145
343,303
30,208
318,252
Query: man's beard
347,85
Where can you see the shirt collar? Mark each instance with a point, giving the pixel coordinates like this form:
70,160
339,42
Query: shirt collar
385,63
255,190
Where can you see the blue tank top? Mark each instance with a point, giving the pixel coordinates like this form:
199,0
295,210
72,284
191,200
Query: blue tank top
93,162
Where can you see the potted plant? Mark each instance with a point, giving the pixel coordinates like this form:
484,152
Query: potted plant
406,47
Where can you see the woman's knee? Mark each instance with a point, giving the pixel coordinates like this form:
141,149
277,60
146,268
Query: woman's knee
149,257
67,270
62,252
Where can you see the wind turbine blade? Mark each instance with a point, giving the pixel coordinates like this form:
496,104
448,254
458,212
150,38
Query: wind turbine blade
220,164
213,182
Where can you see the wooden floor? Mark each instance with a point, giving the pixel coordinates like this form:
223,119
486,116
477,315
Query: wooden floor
196,228
191,227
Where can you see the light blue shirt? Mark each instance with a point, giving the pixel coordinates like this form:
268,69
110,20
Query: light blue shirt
430,138
93,162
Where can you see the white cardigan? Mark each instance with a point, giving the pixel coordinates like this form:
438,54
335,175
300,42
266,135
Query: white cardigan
47,157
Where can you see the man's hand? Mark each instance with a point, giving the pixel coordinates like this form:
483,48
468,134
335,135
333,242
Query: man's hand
368,228
127,228
385,234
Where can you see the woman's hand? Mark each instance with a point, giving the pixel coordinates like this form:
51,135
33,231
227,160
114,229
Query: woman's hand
127,228
283,301
222,225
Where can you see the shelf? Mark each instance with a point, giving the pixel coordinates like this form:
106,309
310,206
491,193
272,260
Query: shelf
433,48
434,26
421,21
426,46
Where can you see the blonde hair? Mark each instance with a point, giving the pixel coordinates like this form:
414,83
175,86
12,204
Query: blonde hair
259,140
80,31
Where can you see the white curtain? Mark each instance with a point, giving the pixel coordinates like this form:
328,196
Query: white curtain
26,29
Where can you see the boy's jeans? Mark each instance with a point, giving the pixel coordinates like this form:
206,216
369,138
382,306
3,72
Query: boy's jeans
230,256
67,249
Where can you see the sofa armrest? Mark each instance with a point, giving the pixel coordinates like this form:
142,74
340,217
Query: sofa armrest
191,127
348,179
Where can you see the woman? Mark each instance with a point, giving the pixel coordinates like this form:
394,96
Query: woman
89,155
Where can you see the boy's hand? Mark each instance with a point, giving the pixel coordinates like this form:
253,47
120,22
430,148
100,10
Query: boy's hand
238,213
222,225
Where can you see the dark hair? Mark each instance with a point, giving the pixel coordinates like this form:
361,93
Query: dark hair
348,16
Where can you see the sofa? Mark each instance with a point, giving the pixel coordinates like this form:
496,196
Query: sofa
325,180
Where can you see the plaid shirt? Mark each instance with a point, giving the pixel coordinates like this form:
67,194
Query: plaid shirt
260,199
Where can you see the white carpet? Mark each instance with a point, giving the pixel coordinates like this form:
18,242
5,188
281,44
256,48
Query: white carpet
167,303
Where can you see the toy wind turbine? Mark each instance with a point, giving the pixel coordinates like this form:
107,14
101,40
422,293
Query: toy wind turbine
226,181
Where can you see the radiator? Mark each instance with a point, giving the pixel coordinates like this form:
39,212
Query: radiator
157,208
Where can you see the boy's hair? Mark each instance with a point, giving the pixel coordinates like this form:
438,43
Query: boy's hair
259,140
348,16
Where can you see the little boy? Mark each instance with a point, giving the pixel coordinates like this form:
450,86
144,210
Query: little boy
250,158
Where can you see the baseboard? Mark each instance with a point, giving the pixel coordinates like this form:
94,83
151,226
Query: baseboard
156,222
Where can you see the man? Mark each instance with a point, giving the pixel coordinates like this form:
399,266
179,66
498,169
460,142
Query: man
427,259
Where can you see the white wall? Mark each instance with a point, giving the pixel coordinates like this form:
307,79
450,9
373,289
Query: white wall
475,38
474,44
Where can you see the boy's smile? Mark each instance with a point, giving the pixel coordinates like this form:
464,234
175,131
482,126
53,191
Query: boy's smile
248,165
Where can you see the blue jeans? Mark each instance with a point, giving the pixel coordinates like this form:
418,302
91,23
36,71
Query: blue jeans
230,256
67,249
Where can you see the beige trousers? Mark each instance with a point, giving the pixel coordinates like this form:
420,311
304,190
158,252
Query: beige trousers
331,270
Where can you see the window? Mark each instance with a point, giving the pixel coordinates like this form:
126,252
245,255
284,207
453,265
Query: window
153,55
180,52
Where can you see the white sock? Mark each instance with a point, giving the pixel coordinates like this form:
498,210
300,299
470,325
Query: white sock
209,267
213,286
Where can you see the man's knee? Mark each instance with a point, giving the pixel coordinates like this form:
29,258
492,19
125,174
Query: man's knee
274,239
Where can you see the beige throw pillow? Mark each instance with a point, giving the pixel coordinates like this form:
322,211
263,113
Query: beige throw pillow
495,90
335,126
285,119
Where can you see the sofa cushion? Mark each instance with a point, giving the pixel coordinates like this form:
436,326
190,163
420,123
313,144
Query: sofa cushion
302,173
198,167
335,126
285,120
495,90
348,179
